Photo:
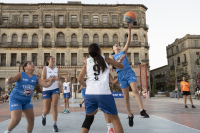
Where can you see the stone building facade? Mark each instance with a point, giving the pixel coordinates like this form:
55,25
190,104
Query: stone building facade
186,53
32,32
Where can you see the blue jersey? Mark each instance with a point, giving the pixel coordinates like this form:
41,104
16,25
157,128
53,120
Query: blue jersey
24,88
83,90
124,62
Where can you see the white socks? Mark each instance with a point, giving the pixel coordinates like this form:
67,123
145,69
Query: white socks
43,116
141,110
109,125
8,131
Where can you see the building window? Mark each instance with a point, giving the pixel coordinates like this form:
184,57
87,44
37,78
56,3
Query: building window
25,19
135,39
73,18
96,38
60,59
60,38
86,55
182,46
35,19
3,59
114,20
136,59
14,39
196,43
5,20
25,39
47,19
74,39
95,20
13,59
126,38
198,55
85,20
105,39
23,57
73,59
185,59
105,19
177,50
178,60
60,19
115,39
129,58
4,39
35,39
146,56
86,39
34,59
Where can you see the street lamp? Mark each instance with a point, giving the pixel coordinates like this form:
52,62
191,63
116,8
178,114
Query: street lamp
175,61
20,64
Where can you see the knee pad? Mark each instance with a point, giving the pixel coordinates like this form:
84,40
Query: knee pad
88,121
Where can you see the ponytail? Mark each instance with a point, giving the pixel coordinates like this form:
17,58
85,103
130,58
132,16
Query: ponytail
99,61
47,63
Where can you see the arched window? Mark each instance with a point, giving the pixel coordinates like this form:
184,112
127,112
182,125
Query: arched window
74,39
47,39
105,39
4,39
35,39
60,38
14,39
25,39
135,39
86,39
115,39
96,38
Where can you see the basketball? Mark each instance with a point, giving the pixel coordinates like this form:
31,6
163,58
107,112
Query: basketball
129,17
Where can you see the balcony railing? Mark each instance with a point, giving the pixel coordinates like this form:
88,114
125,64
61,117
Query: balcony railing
74,44
134,44
19,44
60,44
184,63
74,24
47,25
13,64
20,25
86,44
3,64
86,25
46,44
115,25
106,44
57,25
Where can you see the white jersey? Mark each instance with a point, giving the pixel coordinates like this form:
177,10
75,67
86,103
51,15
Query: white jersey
97,83
66,87
49,74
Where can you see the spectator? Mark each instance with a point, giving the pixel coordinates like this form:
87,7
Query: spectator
35,95
197,91
175,92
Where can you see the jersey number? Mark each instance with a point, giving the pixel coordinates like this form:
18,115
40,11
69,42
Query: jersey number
96,78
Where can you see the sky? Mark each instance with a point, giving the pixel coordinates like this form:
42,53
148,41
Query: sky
167,20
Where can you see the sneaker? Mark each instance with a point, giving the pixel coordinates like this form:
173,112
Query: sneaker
186,106
193,106
144,114
131,120
43,121
64,111
68,111
55,128
80,105
111,131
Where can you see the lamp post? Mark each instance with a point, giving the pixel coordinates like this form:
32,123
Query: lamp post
20,64
175,61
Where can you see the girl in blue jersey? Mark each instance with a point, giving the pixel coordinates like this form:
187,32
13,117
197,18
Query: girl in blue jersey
126,77
20,97
98,94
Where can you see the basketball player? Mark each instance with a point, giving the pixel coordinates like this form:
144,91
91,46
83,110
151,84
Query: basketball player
66,94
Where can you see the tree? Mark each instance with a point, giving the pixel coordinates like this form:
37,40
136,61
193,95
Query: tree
154,87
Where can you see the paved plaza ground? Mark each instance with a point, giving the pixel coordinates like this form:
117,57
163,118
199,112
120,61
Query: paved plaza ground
167,115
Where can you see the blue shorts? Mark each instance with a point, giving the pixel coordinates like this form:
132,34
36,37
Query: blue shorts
125,77
105,102
83,94
66,95
15,104
49,93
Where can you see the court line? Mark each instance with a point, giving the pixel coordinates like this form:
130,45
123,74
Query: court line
175,123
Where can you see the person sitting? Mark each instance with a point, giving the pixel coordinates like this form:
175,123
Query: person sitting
196,90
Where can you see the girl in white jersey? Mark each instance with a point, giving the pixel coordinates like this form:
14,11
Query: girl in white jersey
66,91
20,97
98,94
126,77
51,94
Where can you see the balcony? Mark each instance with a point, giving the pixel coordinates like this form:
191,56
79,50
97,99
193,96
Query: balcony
30,25
86,44
74,44
18,25
60,44
106,44
47,25
184,63
74,24
105,25
146,45
57,25
29,44
46,44
134,44
86,25
115,25
146,27
19,44
3,64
